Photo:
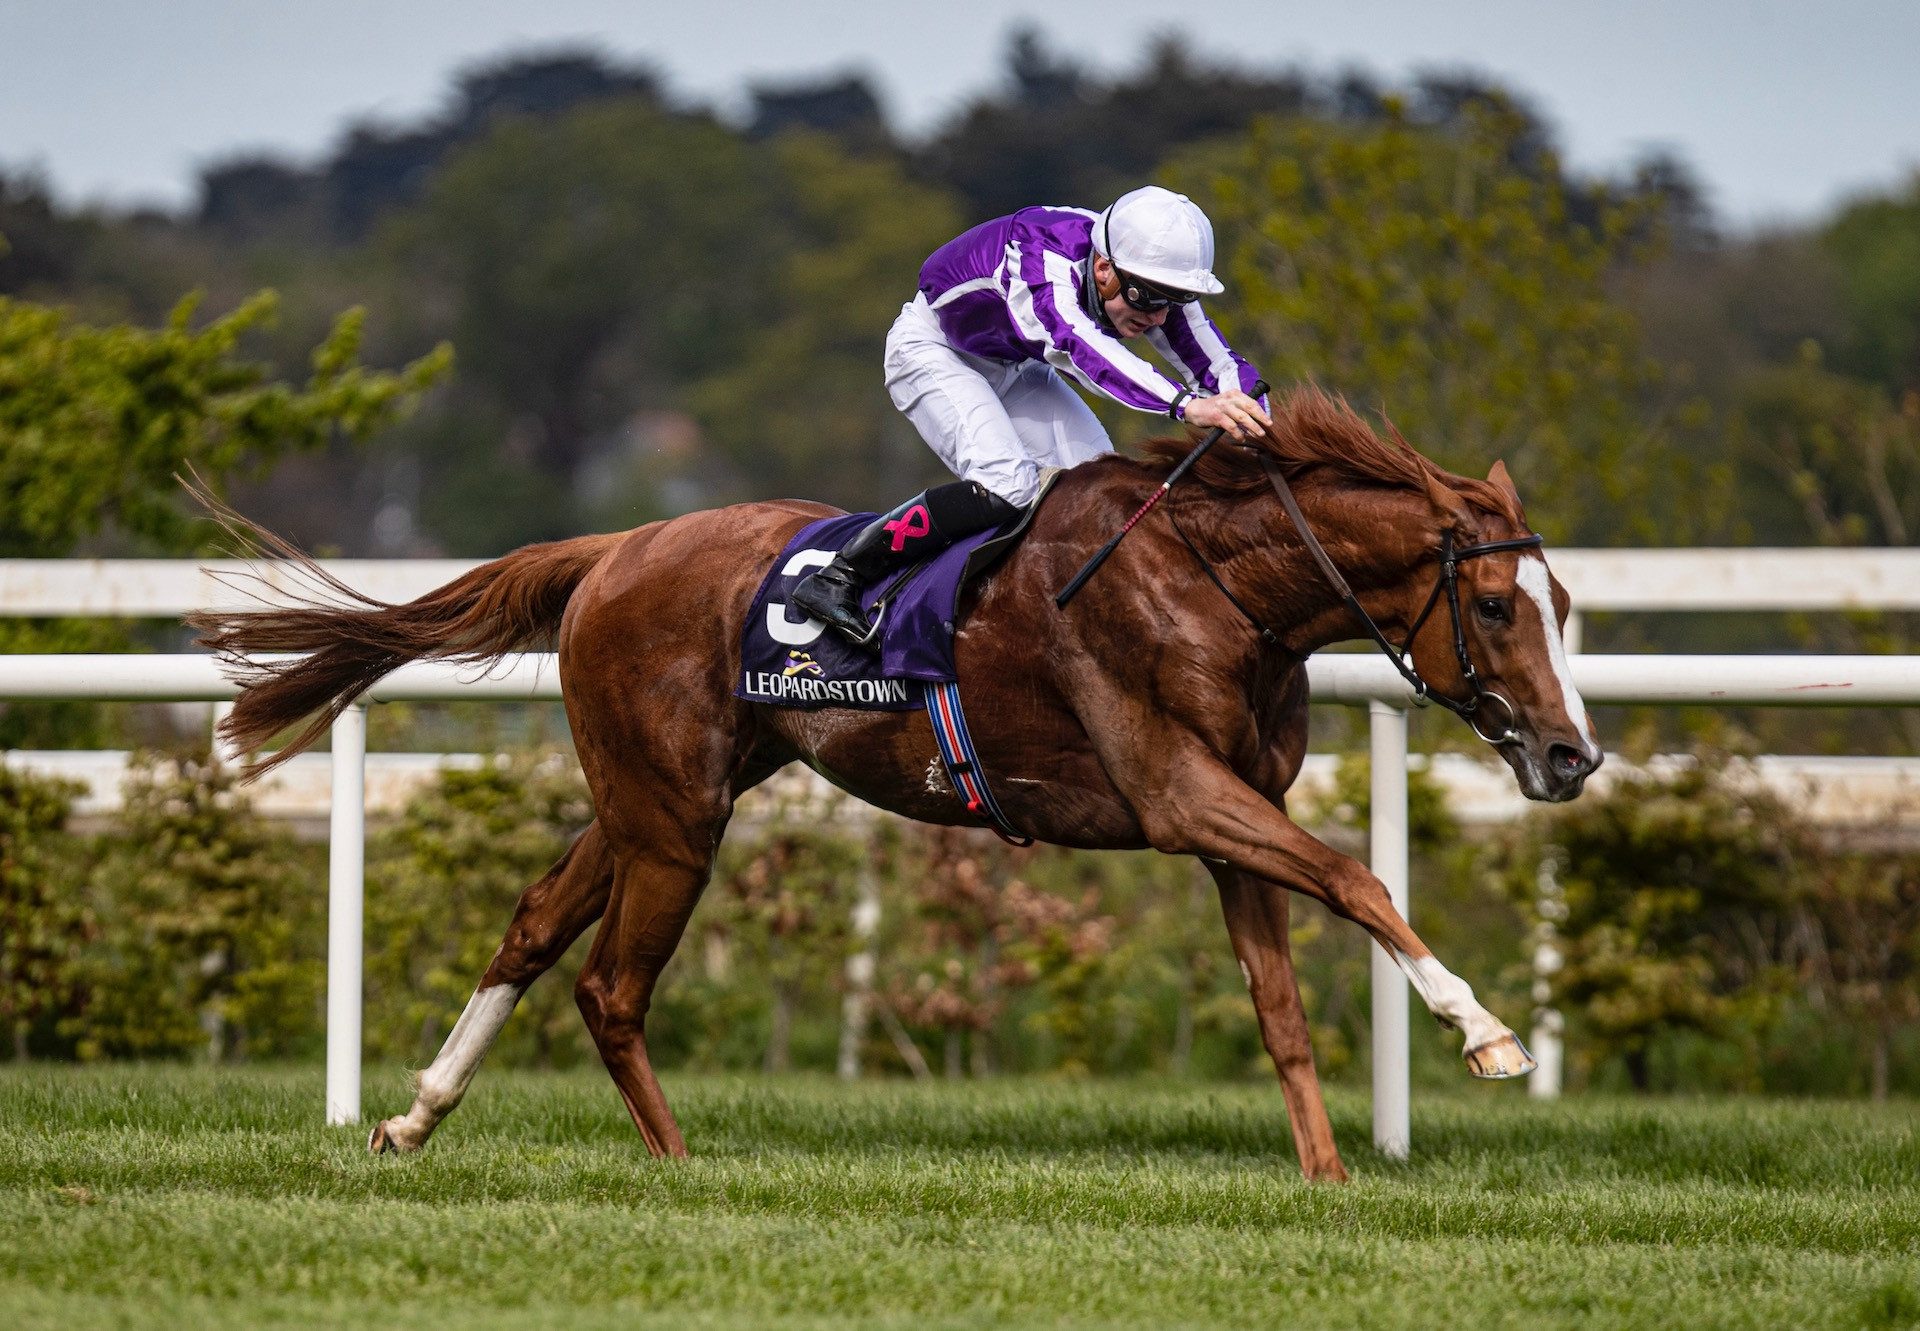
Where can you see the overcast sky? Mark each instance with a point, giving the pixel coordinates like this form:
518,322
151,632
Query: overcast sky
1783,108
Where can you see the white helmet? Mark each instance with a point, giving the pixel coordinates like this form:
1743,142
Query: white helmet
1162,237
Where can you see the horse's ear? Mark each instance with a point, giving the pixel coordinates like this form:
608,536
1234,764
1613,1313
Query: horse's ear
1500,478
1501,481
1448,505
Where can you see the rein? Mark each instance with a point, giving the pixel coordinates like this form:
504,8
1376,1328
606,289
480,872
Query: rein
1402,656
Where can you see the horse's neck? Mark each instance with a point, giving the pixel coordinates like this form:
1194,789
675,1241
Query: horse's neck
1376,538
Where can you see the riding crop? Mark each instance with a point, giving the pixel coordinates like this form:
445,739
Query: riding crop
1100,556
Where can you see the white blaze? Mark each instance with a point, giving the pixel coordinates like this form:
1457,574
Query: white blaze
1533,580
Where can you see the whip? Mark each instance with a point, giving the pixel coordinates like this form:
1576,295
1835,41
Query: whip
1088,569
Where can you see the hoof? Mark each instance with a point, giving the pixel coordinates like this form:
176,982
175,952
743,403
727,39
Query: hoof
1504,1057
381,1141
1334,1172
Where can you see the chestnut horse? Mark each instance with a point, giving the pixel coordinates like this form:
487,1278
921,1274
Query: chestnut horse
1150,712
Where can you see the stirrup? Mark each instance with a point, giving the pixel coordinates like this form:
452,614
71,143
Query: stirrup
870,640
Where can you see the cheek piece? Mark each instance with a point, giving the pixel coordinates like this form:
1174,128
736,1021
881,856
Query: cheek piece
1474,709
1484,725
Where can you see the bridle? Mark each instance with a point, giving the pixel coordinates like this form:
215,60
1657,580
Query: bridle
1448,581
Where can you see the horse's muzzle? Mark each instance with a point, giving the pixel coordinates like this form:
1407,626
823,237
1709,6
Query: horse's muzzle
1552,773
1568,763
1567,768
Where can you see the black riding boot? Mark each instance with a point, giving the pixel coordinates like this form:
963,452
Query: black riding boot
919,529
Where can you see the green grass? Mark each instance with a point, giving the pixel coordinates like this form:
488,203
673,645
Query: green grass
136,1196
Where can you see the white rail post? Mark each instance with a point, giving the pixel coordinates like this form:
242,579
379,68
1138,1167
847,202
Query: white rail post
221,751
1549,1026
856,1008
1392,1121
346,911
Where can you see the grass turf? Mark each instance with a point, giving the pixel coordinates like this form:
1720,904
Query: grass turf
134,1196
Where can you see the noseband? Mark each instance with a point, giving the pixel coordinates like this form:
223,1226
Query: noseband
1448,581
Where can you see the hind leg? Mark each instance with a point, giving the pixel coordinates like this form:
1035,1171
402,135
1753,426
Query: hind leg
653,896
550,915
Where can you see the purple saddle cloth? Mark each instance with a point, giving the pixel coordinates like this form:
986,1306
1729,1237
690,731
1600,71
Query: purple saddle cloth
790,660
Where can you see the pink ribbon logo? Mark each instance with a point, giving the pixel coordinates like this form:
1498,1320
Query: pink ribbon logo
911,526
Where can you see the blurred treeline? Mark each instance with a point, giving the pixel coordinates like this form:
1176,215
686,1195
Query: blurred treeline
1710,941
655,308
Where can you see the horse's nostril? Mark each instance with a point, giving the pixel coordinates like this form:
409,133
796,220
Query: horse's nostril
1567,761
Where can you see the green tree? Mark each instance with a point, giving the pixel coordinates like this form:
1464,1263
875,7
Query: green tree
587,265
39,246
1678,893
95,423
977,938
1170,974
1825,459
784,905
1864,907
43,920
1828,457
209,921
1064,947
1460,283
1058,132
802,408
1875,244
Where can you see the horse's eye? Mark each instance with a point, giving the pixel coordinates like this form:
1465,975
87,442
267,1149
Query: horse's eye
1492,609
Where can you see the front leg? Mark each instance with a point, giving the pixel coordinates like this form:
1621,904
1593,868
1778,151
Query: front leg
1206,810
1257,923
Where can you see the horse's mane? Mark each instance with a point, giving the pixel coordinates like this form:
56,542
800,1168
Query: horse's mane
1314,429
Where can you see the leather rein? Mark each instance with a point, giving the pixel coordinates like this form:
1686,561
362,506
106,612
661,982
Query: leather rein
1402,657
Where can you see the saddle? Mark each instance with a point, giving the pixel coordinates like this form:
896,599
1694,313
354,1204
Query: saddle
789,660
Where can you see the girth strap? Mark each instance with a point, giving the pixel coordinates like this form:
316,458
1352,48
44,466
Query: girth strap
962,761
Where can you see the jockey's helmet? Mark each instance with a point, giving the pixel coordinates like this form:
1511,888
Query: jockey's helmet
1161,237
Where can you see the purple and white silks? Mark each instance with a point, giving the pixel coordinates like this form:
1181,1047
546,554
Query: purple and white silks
1010,290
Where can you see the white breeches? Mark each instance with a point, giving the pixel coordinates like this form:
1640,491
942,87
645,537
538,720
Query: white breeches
999,423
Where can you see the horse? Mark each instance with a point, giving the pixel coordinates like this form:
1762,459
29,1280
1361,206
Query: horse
1164,707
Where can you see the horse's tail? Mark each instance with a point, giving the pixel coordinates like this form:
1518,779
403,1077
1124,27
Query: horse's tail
350,641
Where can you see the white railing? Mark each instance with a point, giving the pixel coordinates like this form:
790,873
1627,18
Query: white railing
1680,580
1692,579
1778,681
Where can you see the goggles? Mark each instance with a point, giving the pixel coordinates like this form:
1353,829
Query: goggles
1147,298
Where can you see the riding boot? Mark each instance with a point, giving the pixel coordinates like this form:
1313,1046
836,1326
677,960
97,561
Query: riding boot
918,529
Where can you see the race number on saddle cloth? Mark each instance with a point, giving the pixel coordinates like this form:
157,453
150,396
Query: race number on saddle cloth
789,660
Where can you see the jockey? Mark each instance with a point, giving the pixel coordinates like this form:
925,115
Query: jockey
978,359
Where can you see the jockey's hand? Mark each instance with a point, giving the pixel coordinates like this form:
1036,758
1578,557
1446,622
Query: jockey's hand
1240,416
